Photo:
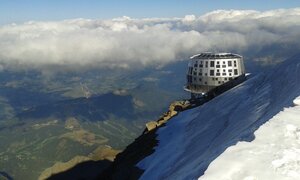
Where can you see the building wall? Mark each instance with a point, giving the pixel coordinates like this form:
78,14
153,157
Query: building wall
205,74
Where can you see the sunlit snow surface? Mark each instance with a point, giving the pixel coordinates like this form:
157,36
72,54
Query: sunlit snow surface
195,138
274,153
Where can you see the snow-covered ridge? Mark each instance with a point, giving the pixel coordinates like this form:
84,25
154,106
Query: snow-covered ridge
193,139
275,152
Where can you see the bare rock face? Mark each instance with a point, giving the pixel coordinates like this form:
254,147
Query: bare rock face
174,109
151,125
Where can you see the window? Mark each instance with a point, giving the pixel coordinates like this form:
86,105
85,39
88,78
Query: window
224,70
223,66
217,74
219,82
235,72
223,62
200,79
217,66
229,70
218,70
229,63
234,63
195,73
206,63
205,82
230,74
218,62
230,78
212,63
201,64
211,72
216,78
224,74
195,65
200,74
194,79
189,79
213,79
225,79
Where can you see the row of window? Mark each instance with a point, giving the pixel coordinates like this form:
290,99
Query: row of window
217,73
219,82
212,64
215,79
218,70
212,70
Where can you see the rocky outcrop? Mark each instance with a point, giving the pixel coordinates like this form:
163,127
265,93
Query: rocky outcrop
174,109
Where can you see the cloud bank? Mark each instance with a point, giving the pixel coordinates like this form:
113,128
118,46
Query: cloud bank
125,42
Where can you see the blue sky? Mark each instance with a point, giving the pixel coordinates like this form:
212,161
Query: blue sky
17,11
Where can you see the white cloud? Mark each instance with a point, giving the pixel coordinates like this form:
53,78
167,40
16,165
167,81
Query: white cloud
126,42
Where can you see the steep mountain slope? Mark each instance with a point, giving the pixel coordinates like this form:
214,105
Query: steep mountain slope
275,152
193,139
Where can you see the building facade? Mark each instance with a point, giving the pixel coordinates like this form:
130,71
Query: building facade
207,71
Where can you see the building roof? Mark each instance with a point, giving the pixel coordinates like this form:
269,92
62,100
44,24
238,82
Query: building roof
209,55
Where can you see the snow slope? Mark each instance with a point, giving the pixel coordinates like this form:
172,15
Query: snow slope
275,152
194,138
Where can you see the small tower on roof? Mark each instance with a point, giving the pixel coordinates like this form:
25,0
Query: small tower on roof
206,71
